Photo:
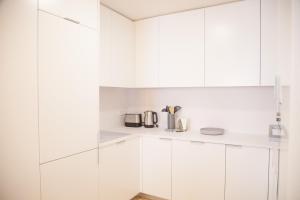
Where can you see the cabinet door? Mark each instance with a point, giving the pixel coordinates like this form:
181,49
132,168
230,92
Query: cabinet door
198,171
232,44
156,167
147,52
82,11
246,173
122,51
182,49
68,87
275,41
105,47
73,178
119,170
19,148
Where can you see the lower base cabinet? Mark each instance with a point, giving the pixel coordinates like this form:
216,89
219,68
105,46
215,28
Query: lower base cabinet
246,173
198,171
119,165
157,167
71,178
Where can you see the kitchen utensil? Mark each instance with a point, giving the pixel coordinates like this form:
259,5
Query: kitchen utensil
171,110
212,131
176,109
133,120
151,119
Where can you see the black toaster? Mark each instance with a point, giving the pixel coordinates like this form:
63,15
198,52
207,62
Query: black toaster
133,120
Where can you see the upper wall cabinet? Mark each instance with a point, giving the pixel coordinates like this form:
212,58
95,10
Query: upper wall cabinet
80,11
232,44
122,51
105,76
117,66
68,87
181,47
275,44
147,52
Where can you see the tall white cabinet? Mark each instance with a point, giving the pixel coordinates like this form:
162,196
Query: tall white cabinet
18,85
68,98
181,49
68,87
246,173
232,44
73,178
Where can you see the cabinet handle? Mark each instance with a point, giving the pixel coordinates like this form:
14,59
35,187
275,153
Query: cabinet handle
120,142
72,20
165,138
199,142
235,145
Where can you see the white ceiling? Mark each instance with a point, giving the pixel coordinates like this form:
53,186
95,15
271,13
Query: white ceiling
140,9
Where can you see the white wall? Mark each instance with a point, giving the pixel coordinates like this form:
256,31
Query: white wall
19,158
113,104
293,183
240,109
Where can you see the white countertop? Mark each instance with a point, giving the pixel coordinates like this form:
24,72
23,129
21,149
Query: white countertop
251,140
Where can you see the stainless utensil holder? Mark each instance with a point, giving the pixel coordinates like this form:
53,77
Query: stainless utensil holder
171,121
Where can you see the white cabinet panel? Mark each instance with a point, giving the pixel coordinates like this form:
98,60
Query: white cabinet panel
68,87
147,52
275,41
117,35
246,173
119,170
198,171
182,49
122,51
156,163
232,44
83,11
105,47
19,148
75,178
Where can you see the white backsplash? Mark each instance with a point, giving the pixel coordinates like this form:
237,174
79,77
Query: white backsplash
237,109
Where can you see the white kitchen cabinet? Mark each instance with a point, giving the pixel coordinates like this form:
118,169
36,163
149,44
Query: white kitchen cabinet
232,44
122,51
19,148
147,52
181,47
275,41
119,170
198,170
156,167
105,77
117,49
246,173
74,177
68,87
81,11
